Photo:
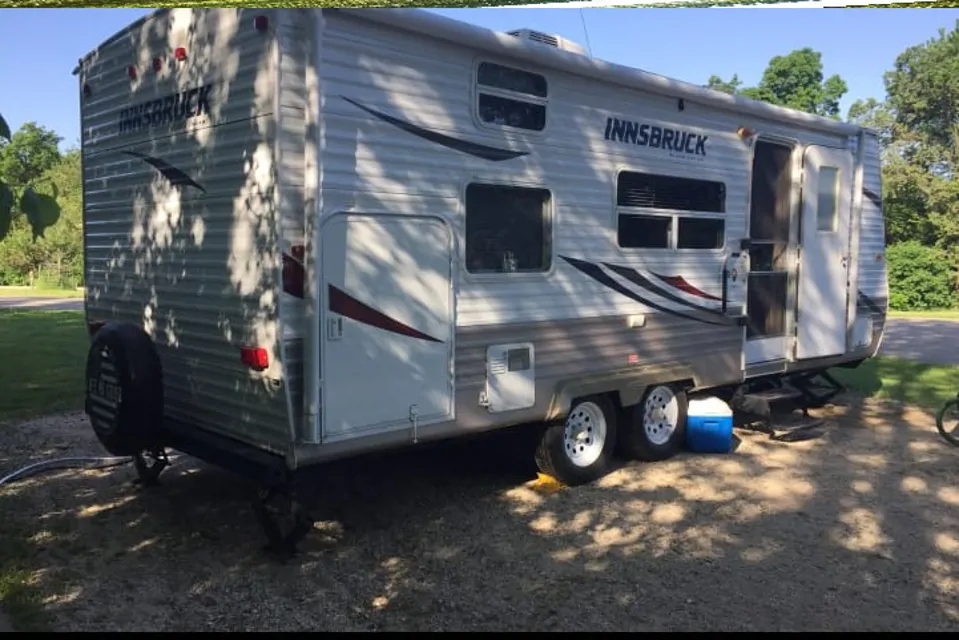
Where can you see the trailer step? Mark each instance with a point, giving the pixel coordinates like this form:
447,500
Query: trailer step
787,428
819,388
764,403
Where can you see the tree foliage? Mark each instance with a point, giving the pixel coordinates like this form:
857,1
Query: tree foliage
920,277
24,157
794,80
918,126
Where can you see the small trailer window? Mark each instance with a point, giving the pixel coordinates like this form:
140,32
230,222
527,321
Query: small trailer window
644,205
644,232
701,233
828,205
511,97
507,229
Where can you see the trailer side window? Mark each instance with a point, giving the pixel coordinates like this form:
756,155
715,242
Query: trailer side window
511,97
507,229
701,233
828,205
644,232
645,205
652,191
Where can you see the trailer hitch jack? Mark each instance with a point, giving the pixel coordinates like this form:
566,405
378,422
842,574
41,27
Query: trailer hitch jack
284,520
150,464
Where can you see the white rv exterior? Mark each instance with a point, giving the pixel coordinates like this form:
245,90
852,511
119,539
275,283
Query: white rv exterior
430,228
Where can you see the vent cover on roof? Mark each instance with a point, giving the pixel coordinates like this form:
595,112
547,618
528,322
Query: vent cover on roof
550,40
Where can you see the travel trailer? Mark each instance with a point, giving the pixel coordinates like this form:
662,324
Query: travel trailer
311,234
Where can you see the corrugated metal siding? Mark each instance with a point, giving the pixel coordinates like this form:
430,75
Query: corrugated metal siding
195,268
295,184
570,349
873,280
373,166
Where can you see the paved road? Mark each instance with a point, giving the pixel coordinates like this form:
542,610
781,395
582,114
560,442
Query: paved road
929,341
40,303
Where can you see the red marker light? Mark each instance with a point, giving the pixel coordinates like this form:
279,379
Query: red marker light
132,72
157,63
180,53
255,358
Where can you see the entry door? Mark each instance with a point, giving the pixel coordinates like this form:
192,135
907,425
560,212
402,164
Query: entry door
387,347
824,262
770,214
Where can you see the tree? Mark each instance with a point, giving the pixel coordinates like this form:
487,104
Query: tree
29,152
918,126
41,211
57,258
923,91
718,84
63,242
794,80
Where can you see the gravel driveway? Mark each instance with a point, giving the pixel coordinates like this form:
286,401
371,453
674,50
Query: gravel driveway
857,530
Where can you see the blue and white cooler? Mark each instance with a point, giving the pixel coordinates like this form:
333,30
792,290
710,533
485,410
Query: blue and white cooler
709,425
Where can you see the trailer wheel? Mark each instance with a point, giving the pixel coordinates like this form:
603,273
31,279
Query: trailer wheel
124,390
657,425
580,449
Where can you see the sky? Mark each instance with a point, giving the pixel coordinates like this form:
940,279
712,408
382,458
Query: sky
40,47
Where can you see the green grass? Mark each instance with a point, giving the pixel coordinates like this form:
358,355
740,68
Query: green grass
37,292
932,314
43,355
923,385
20,600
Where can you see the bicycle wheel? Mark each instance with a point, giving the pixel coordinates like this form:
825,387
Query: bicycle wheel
947,422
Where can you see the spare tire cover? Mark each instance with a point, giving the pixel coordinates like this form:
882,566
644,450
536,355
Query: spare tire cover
124,389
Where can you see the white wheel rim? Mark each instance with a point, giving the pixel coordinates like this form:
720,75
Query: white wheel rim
660,415
584,434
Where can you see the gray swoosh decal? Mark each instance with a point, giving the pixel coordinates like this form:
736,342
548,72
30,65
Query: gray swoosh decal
873,197
175,176
638,279
596,273
471,148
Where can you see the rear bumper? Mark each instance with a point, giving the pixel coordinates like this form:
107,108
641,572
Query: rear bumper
251,463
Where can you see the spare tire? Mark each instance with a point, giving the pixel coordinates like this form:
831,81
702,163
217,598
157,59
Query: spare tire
124,389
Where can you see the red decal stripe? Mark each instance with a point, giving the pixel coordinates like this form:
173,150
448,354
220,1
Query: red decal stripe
680,283
346,305
294,274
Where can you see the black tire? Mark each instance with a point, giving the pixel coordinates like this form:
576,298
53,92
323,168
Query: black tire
552,455
636,443
950,436
124,390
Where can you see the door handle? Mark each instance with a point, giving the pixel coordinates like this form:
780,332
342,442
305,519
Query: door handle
334,328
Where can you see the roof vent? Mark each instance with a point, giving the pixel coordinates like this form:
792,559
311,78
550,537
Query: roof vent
548,39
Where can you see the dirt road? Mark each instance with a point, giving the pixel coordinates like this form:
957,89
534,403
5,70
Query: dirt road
857,530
